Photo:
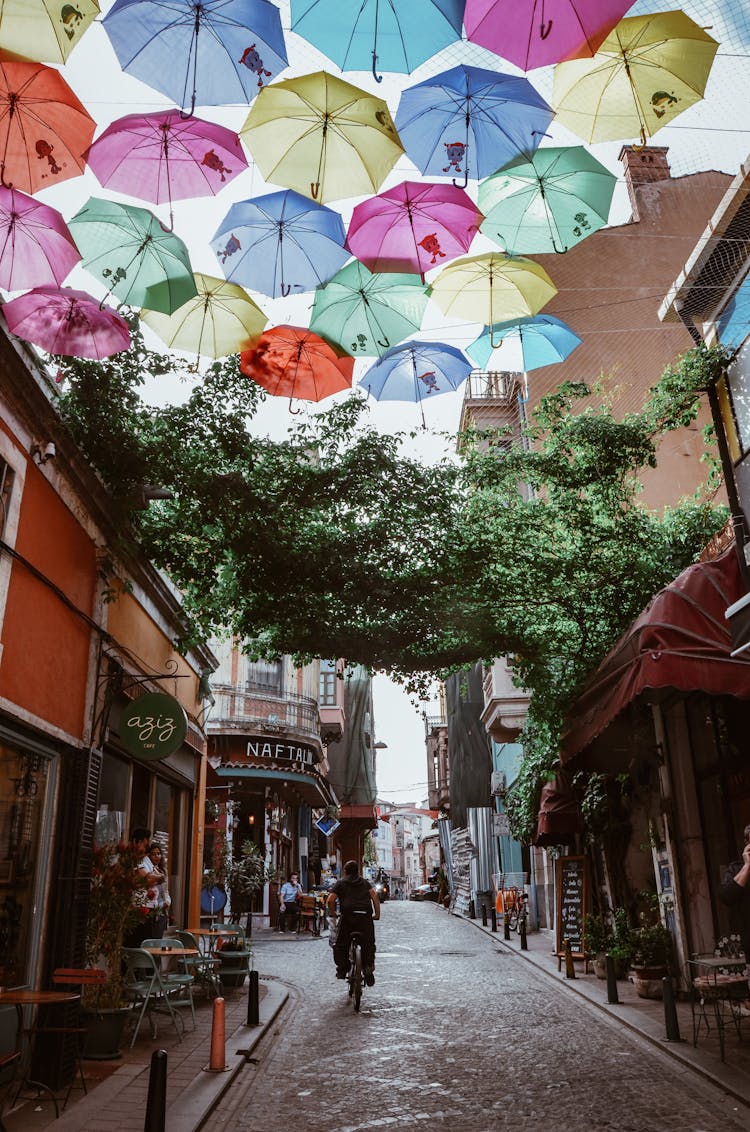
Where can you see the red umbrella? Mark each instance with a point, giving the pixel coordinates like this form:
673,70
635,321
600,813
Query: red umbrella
36,247
291,361
413,227
44,128
67,322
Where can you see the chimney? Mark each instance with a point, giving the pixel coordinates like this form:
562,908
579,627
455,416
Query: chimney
643,167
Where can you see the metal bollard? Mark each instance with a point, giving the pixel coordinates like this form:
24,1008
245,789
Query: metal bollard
484,915
493,918
217,1063
506,926
472,912
670,1011
522,934
570,971
156,1103
253,1000
612,997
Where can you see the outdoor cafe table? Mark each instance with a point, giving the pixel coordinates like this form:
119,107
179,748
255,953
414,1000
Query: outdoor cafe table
34,998
212,936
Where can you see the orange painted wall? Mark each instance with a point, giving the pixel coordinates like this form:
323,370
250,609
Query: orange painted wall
133,628
45,645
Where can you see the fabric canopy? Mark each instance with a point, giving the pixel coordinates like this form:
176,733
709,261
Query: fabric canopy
681,641
559,818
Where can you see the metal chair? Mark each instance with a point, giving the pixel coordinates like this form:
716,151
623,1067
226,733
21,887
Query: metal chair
10,1059
203,967
308,914
144,988
176,978
716,995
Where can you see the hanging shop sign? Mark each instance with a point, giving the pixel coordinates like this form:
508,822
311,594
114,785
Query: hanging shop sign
327,825
279,751
153,727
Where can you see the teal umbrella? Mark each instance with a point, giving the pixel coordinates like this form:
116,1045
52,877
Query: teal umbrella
133,255
546,202
524,344
366,313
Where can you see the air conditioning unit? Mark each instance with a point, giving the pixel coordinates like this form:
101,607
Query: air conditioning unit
497,783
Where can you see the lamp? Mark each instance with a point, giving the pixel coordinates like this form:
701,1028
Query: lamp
40,455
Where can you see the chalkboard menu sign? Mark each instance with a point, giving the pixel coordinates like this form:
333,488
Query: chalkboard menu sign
572,895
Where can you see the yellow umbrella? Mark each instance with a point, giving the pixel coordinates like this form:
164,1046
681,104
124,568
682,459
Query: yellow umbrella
648,70
45,31
322,136
492,288
222,319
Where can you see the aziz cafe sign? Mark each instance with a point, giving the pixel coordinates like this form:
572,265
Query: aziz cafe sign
278,751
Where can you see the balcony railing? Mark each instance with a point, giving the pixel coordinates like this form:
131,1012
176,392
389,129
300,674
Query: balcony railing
433,722
253,705
489,385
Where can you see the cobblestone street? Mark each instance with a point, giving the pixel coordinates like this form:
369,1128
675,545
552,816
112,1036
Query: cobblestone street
456,1034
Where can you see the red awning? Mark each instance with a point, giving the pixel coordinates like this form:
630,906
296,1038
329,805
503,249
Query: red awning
680,641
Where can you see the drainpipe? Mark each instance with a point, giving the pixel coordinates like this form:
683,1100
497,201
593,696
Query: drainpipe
739,520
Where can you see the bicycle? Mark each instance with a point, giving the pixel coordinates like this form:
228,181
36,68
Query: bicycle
355,975
513,906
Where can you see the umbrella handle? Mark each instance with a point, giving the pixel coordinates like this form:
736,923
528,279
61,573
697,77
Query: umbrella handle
378,78
285,289
466,179
314,189
555,248
545,29
644,141
3,182
385,344
294,412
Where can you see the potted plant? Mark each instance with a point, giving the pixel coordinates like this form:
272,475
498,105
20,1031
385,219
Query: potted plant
652,958
115,907
600,938
245,876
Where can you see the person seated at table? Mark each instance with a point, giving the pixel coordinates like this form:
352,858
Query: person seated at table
289,902
735,892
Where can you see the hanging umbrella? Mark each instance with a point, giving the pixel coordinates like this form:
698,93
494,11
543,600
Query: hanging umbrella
44,128
280,243
470,121
290,361
67,322
166,156
540,32
414,227
647,71
44,30
133,255
219,320
492,288
207,53
547,203
36,247
322,136
525,344
366,314
416,371
396,36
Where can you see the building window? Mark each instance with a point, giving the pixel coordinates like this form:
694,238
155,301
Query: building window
327,683
6,487
264,676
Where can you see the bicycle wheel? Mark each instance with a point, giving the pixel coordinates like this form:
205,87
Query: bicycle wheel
356,978
514,917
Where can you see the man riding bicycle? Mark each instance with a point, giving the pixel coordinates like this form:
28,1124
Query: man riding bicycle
359,907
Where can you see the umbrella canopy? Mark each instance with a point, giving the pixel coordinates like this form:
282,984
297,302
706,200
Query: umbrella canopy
547,203
133,255
44,128
199,54
36,247
290,361
525,344
166,156
280,243
416,371
219,320
44,30
366,314
396,36
470,121
322,136
67,322
492,288
646,72
536,33
413,227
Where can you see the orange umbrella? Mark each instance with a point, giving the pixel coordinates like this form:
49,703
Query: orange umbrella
291,361
44,128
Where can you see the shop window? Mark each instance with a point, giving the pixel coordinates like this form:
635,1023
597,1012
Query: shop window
114,788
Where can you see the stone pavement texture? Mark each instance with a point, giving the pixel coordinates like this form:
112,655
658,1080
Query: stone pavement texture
462,1031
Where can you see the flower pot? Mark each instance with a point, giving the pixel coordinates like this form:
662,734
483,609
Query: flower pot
104,1032
600,966
647,981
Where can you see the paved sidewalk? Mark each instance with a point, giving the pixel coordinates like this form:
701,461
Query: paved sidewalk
644,1016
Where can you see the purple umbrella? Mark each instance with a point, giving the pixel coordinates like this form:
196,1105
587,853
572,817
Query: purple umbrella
67,322
36,248
537,33
166,157
413,227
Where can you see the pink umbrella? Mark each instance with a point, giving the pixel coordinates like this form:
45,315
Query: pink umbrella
166,157
67,322
36,248
537,33
413,228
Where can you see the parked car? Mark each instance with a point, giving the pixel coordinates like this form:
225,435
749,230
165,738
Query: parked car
424,892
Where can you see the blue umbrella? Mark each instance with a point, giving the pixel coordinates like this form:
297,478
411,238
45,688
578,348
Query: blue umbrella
210,53
416,371
470,121
534,342
396,36
280,243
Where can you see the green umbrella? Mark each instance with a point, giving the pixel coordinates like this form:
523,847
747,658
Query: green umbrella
131,252
367,313
547,202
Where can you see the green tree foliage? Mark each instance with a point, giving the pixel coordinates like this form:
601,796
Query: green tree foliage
332,542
